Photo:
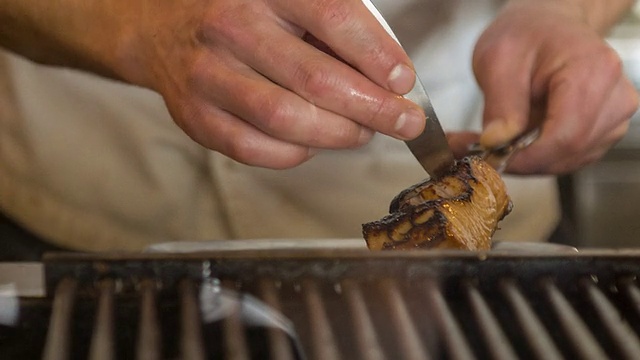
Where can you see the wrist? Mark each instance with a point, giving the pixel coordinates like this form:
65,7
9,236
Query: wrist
85,35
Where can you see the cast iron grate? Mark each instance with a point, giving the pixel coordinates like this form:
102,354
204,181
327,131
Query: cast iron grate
323,305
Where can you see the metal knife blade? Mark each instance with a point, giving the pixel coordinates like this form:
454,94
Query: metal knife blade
431,147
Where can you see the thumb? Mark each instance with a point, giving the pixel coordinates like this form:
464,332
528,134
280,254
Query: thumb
460,141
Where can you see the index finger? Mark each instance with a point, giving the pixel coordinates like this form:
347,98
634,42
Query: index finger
354,34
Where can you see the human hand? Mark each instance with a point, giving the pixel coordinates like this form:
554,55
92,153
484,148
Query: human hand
540,63
239,79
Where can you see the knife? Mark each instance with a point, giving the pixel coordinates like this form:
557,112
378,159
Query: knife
430,147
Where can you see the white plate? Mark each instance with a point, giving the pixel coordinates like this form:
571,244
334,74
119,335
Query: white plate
257,244
315,244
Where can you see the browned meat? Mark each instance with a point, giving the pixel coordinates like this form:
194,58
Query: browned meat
458,211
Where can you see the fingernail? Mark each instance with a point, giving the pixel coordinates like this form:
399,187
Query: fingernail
410,124
365,136
499,132
401,79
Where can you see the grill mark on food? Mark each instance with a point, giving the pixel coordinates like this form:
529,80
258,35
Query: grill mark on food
460,210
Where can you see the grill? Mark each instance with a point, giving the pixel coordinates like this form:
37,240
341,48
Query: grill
332,305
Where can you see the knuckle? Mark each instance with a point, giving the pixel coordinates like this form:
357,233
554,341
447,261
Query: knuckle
313,79
225,24
354,136
187,116
341,137
333,13
197,73
380,116
251,151
215,24
240,148
492,56
271,111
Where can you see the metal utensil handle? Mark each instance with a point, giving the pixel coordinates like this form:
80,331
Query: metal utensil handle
499,157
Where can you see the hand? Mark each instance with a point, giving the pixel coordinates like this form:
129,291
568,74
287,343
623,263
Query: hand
540,63
239,79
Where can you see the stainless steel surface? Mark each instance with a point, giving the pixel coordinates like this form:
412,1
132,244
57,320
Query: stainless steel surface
455,341
605,207
279,347
323,344
365,334
192,341
148,346
624,337
236,345
431,147
400,319
533,329
493,332
102,341
27,277
59,333
578,333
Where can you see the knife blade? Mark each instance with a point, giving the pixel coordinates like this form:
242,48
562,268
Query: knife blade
430,148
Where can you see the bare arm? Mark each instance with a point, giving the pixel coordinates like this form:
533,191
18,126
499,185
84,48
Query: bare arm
71,33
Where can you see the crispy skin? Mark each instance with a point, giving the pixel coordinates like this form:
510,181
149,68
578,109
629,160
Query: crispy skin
458,211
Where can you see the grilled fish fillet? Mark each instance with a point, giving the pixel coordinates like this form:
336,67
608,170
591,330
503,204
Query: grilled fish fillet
458,211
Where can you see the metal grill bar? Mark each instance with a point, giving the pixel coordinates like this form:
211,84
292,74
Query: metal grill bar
191,341
148,345
495,338
278,341
102,341
455,340
626,340
539,339
59,335
235,340
584,342
323,344
407,336
633,293
400,307
365,335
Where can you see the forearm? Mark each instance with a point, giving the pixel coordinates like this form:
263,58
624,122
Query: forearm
82,34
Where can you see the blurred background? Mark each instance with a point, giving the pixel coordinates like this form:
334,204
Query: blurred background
602,202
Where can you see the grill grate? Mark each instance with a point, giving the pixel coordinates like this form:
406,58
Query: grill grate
342,306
